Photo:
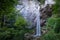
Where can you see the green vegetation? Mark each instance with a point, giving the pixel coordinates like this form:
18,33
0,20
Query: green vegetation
12,25
53,24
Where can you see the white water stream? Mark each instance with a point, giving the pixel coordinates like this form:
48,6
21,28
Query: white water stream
31,13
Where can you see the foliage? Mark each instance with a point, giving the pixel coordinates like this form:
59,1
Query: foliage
56,7
7,5
53,24
11,26
51,36
57,26
7,11
57,14
50,22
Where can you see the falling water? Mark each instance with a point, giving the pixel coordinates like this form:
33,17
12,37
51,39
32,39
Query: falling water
30,11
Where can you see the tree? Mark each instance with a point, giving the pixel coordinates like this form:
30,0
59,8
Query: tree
11,26
53,24
7,9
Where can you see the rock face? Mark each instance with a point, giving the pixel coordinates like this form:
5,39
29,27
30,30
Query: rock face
45,13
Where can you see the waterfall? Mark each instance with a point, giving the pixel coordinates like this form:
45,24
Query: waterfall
30,11
38,27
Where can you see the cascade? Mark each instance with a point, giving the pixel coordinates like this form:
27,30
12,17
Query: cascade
30,11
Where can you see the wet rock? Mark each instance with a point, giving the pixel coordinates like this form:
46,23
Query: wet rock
45,13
